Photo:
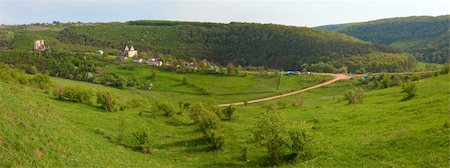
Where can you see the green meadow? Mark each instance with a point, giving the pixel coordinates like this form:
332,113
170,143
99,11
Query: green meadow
384,131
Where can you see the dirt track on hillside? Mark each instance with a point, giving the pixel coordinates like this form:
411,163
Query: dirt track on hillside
337,77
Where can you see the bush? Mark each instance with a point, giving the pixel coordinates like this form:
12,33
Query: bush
216,138
209,124
108,101
76,94
410,89
142,141
228,112
165,108
300,135
354,96
41,81
271,132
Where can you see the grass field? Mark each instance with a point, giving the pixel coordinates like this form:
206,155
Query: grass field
39,131
218,87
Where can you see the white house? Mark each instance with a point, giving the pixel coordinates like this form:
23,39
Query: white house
154,62
129,52
138,60
39,45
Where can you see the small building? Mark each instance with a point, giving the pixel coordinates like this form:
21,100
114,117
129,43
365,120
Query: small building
39,45
190,65
100,52
138,60
154,62
129,52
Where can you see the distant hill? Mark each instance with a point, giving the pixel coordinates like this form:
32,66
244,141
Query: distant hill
240,43
426,37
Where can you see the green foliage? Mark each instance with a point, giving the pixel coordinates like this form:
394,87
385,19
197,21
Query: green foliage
8,74
142,141
238,43
137,103
410,89
108,100
423,36
272,133
41,81
164,108
228,112
209,124
300,134
354,96
76,94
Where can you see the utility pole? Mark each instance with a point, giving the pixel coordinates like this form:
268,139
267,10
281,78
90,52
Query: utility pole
279,80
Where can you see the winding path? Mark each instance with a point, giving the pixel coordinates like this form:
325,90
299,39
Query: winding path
336,78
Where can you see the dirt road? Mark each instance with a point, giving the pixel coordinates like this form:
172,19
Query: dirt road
336,78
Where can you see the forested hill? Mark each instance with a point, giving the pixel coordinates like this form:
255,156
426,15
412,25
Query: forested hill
424,36
240,43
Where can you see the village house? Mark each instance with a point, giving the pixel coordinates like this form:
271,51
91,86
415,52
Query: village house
154,62
138,60
129,52
190,65
39,45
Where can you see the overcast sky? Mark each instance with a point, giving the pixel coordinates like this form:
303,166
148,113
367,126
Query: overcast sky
299,13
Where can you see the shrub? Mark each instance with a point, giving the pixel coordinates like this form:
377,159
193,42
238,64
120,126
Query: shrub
415,77
385,81
216,138
146,85
78,94
165,108
271,132
41,81
410,89
108,100
209,124
228,112
300,135
396,81
142,141
354,96
208,120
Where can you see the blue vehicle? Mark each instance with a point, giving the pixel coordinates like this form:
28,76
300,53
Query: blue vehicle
290,73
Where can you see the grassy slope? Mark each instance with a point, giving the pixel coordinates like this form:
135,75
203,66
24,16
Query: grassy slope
383,131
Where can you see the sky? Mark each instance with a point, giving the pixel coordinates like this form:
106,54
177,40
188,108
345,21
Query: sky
287,12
